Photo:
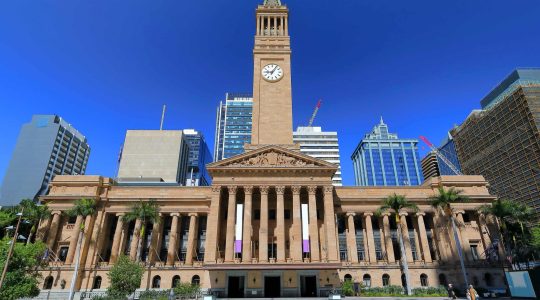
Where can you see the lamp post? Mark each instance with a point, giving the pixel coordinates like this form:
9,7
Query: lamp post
10,252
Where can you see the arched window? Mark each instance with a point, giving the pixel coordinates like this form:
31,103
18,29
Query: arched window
488,279
175,281
386,280
423,280
156,282
348,277
97,283
367,280
47,284
442,280
196,280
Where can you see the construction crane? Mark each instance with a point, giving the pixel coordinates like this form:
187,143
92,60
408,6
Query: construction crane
441,156
314,113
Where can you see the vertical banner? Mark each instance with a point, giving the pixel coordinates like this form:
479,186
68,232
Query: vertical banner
238,229
305,228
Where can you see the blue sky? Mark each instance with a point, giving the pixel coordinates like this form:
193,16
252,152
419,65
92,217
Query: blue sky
107,66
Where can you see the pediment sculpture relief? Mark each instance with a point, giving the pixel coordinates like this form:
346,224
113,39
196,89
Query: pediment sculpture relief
271,159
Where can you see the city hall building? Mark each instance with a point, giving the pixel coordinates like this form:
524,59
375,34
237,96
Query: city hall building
271,224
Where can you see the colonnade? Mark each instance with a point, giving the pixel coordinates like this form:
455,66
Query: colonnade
296,248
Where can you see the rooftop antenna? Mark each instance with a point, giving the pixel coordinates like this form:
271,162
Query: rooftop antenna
162,117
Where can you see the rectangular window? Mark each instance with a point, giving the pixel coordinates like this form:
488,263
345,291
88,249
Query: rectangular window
272,214
62,254
474,252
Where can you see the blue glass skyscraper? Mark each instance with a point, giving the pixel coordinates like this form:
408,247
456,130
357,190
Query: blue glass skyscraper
448,149
382,159
233,125
199,157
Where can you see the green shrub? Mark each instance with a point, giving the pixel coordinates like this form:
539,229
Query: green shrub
347,288
430,291
391,290
186,289
154,295
125,277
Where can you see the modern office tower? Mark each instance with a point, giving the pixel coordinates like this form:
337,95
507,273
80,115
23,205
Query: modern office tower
233,125
502,140
154,156
199,157
47,146
430,165
383,159
320,144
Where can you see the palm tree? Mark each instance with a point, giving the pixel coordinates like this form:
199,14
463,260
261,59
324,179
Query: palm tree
443,202
509,213
82,208
34,213
395,203
144,211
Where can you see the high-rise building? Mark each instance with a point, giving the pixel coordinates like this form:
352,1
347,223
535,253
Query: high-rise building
383,159
154,156
501,141
430,165
320,144
199,157
47,146
233,125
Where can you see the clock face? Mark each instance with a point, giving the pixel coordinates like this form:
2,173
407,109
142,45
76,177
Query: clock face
272,72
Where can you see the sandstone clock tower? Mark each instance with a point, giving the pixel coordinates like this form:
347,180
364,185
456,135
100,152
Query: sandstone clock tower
272,96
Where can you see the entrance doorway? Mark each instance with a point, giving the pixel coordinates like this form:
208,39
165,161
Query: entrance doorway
272,286
308,286
236,287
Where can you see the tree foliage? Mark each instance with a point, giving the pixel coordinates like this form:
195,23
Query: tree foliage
22,277
125,277
446,198
34,213
145,211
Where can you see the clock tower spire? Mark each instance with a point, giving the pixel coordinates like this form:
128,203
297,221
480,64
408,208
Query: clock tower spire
272,96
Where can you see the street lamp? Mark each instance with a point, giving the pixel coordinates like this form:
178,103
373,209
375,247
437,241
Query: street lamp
13,241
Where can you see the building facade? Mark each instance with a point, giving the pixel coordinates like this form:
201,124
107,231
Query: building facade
154,156
502,140
448,149
322,145
430,165
46,147
271,224
233,125
199,157
383,159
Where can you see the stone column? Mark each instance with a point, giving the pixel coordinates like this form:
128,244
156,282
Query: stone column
173,240
280,223
296,239
484,231
405,235
370,239
351,238
388,238
135,240
330,224
117,239
231,213
313,224
73,240
155,243
246,243
213,226
258,25
43,228
192,238
99,233
53,230
263,227
423,237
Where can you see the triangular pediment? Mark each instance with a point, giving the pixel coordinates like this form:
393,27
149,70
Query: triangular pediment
272,157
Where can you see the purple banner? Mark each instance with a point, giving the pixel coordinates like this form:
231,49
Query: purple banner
305,245
238,246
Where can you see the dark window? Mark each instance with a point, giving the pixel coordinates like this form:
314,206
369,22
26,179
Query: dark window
474,252
272,214
72,219
62,254
442,280
423,280
287,214
348,277
386,280
257,214
97,283
47,285
156,282
175,281
466,217
488,279
367,280
196,280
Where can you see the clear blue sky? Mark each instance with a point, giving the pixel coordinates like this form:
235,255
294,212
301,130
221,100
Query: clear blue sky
107,66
